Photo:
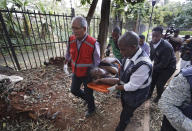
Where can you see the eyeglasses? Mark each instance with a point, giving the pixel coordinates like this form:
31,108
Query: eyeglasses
76,28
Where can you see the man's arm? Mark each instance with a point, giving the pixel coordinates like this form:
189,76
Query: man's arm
67,55
147,49
152,51
165,56
96,54
136,80
171,99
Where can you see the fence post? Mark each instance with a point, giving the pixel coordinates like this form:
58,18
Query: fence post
9,41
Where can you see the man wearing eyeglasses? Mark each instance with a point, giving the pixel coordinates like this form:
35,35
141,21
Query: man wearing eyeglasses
83,51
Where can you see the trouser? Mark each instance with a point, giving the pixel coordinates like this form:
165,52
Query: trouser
159,80
126,114
130,102
86,95
166,125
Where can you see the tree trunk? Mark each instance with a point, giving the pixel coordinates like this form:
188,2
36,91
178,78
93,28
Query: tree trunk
117,16
91,11
137,24
104,24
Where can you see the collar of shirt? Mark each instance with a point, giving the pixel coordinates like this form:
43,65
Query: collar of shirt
79,42
133,59
144,45
156,45
139,51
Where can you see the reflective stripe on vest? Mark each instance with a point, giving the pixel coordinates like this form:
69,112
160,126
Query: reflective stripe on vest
81,57
81,65
84,42
88,44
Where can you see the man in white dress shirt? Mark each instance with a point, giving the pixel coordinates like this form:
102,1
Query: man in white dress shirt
135,77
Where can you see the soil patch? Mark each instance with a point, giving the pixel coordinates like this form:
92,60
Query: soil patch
43,101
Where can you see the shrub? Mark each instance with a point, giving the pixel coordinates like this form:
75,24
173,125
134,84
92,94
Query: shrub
185,33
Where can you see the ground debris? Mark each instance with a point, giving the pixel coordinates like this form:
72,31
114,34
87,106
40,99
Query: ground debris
44,96
54,115
21,123
156,116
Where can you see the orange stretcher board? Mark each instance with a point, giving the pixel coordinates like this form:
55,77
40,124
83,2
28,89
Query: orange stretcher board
98,87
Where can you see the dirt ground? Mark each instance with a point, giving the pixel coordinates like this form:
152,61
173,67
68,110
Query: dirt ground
42,101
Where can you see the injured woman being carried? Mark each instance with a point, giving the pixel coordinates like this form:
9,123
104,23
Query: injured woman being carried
107,72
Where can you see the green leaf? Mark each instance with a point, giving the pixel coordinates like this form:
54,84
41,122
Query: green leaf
83,2
41,7
18,3
26,3
3,4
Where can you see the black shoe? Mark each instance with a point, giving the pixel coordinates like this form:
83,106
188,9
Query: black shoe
89,113
122,127
156,100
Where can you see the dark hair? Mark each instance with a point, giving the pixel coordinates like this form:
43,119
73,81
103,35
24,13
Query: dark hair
142,37
130,38
158,29
117,29
187,36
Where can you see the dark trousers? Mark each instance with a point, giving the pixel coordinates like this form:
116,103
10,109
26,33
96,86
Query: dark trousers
166,126
130,102
159,80
86,95
126,114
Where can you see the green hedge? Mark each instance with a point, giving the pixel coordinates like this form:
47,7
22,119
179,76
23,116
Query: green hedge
185,33
145,34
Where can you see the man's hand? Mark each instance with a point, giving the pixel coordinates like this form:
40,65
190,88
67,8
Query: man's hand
120,87
112,88
65,69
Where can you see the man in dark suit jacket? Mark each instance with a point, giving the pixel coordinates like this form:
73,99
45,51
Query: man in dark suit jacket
164,66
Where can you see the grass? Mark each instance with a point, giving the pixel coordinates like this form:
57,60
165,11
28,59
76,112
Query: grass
186,33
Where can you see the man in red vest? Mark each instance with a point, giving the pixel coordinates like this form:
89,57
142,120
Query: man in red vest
83,51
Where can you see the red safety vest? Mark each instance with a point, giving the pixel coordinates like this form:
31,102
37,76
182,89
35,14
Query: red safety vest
83,58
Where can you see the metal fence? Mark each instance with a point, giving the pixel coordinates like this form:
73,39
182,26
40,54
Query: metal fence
28,39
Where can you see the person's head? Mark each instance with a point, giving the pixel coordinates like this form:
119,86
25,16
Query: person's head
116,33
142,39
79,27
176,32
96,73
187,37
157,34
128,44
